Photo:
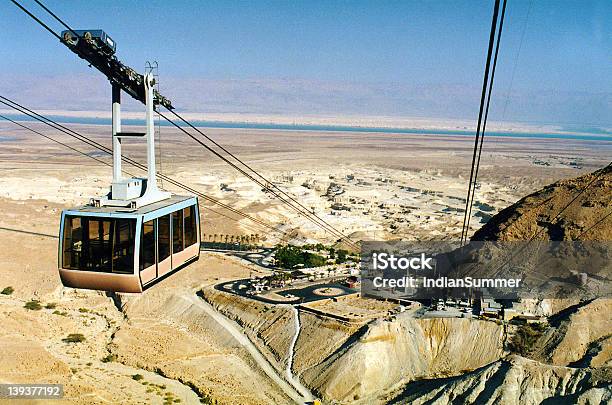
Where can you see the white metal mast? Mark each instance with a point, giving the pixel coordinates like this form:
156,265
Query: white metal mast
133,192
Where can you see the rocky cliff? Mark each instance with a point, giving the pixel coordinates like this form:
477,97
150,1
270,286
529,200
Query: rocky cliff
513,380
585,204
388,354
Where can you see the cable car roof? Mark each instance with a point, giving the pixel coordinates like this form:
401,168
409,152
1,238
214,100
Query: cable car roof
156,209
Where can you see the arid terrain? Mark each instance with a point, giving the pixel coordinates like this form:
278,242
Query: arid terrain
183,341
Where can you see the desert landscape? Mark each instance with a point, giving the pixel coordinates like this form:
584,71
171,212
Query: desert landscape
183,341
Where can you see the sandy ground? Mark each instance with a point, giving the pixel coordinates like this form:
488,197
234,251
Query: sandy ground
180,351
396,186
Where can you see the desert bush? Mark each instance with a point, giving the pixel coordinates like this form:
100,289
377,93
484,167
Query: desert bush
33,305
137,377
7,290
109,358
74,338
51,305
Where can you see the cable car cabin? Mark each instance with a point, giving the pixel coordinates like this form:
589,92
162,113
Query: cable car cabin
127,250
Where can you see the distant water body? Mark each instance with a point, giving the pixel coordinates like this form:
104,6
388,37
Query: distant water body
595,136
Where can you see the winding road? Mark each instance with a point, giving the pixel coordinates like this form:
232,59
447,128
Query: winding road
297,392
295,381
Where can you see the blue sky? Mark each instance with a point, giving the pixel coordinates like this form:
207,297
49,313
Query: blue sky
426,56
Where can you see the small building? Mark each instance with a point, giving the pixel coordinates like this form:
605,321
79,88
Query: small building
528,319
352,282
490,308
298,275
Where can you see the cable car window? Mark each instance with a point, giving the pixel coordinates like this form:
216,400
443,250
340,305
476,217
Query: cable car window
104,245
73,242
190,226
163,236
97,254
177,231
147,245
123,246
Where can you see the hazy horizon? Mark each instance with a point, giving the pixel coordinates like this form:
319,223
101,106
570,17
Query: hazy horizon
395,59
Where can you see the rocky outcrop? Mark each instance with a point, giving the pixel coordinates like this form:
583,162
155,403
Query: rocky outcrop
536,216
579,337
387,354
321,337
514,380
269,326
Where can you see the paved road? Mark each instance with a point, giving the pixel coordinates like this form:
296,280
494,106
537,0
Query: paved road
304,292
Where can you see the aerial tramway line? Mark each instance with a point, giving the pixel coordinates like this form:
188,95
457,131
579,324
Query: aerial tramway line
136,234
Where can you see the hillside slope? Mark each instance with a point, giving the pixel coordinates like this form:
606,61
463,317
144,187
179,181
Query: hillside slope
586,215
514,380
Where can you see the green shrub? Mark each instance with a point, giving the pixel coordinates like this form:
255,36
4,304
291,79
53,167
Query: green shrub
33,305
51,305
62,313
83,310
7,290
109,358
137,377
74,338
